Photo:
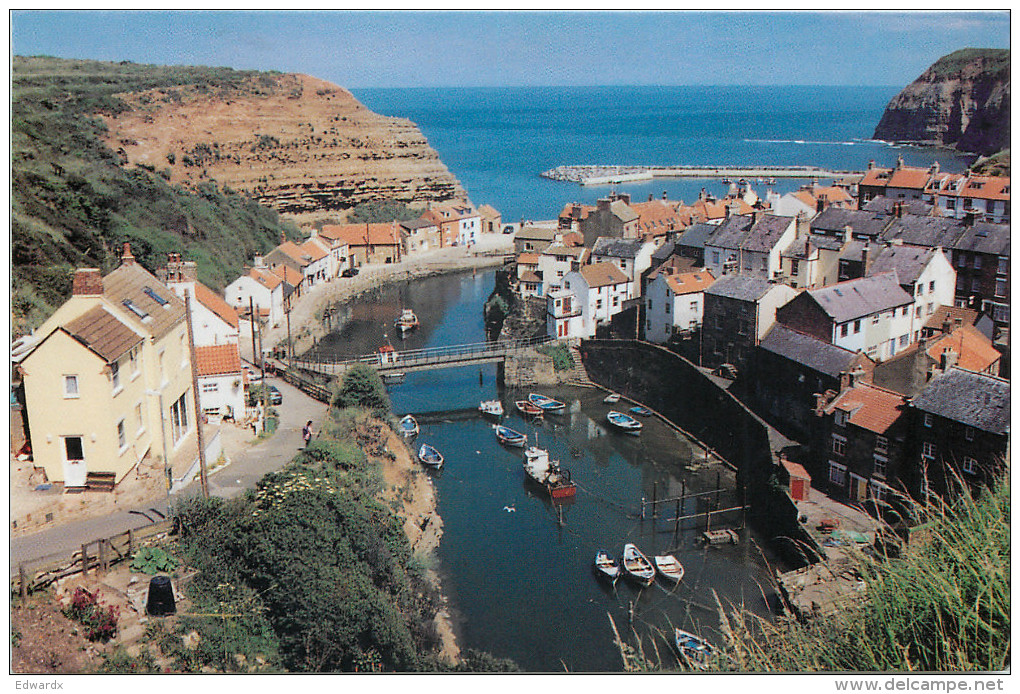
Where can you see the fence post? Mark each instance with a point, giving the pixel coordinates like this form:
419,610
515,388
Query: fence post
102,557
131,541
85,559
23,577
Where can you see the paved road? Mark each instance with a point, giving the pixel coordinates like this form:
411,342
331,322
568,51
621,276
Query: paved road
246,468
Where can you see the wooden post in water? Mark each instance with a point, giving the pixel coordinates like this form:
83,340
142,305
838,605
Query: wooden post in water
642,508
683,496
655,495
718,487
676,528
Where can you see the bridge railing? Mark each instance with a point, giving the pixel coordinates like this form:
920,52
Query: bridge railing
429,355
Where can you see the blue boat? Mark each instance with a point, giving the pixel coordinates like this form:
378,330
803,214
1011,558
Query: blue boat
624,422
509,437
641,411
692,648
430,457
546,403
408,426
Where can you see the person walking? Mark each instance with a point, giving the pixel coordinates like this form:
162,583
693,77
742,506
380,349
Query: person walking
307,433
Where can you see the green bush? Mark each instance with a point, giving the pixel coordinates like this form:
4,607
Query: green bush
562,361
362,387
153,560
375,211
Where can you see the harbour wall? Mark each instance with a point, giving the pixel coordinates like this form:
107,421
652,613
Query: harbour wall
679,391
589,175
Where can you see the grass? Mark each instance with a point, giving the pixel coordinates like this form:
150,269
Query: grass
562,360
998,60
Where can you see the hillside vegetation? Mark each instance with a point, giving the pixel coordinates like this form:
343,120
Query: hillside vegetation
74,204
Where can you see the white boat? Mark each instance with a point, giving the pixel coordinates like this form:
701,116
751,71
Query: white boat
546,403
637,566
408,426
430,456
509,437
624,422
612,399
548,473
493,408
670,568
606,567
407,321
694,649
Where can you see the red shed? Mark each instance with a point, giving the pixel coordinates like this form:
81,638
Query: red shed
800,481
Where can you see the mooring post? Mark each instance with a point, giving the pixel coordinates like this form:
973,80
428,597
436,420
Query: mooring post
676,528
683,495
655,495
718,487
642,508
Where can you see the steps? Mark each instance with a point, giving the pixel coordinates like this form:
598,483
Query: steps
578,375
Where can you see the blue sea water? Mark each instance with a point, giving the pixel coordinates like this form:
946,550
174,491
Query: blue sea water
498,140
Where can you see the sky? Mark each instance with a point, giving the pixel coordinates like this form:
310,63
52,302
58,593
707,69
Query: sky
515,48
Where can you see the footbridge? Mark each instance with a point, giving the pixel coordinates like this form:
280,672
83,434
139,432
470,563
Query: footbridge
396,361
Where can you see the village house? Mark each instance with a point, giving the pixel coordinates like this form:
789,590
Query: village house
213,320
600,289
948,318
790,369
738,313
667,259
632,256
220,380
529,281
841,223
309,259
690,243
871,315
108,382
959,427
613,217
981,256
420,235
491,220
811,261
900,182
258,287
750,245
563,317
534,239
707,209
657,219
895,207
960,195
556,261
367,243
293,285
459,223
337,250
674,302
861,440
571,216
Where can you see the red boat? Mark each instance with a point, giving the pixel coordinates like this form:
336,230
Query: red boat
529,408
549,474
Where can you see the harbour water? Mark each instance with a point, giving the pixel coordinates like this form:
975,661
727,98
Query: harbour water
519,581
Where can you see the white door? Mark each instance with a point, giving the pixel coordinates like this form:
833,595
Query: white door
75,470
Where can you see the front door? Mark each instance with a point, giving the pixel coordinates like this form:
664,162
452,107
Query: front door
75,470
858,488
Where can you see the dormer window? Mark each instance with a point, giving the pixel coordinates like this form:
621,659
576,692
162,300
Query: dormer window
840,418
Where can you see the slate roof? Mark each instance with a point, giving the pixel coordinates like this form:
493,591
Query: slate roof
870,407
984,237
884,205
420,223
696,235
808,351
741,288
908,261
924,231
129,282
744,231
977,400
832,220
536,233
617,247
602,274
846,301
103,333
663,252
216,360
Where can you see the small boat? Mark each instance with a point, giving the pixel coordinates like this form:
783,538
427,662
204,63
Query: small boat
394,377
509,437
407,321
624,422
612,399
641,411
546,403
670,568
430,457
694,649
529,408
727,181
637,565
493,408
606,567
548,473
408,426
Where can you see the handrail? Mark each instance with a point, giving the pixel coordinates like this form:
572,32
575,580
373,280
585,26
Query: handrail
429,354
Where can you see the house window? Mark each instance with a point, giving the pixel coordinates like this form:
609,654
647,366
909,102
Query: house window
694,305
179,419
210,387
139,422
121,435
616,300
1003,266
970,465
1000,287
843,329
73,451
838,444
968,433
133,361
650,305
715,257
881,445
70,386
840,418
881,463
975,285
837,473
931,286
667,308
929,420
115,375
857,326
794,267
598,304
928,450
879,491
875,318
977,262
961,260
904,340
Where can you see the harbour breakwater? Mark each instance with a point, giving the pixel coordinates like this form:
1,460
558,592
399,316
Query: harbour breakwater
592,175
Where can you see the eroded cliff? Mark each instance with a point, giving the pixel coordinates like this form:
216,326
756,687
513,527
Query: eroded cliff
961,101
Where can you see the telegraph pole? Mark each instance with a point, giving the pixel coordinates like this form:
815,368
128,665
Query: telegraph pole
194,388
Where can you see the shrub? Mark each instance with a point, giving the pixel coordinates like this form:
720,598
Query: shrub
100,621
153,560
362,387
562,360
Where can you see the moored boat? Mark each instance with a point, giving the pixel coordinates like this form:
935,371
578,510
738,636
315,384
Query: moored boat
408,426
509,437
493,408
637,566
624,422
546,403
694,649
407,321
606,567
548,473
670,568
429,456
529,408
641,411
611,399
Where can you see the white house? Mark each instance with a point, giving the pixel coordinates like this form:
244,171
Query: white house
632,256
563,317
220,386
674,302
556,261
750,245
601,289
336,249
925,273
260,287
213,320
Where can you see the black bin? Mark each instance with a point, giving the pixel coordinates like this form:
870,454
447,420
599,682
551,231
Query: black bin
161,597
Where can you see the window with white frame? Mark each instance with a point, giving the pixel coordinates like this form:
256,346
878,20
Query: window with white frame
838,444
879,491
840,418
70,386
968,433
1003,266
970,465
929,419
977,261
928,450
121,435
210,387
881,463
115,375
179,418
837,473
881,445
1000,287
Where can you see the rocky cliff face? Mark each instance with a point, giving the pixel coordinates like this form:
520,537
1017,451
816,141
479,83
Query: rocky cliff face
301,145
961,101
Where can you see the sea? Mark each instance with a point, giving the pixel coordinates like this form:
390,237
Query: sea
497,141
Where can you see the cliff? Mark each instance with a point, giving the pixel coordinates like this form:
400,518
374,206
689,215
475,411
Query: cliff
961,101
295,143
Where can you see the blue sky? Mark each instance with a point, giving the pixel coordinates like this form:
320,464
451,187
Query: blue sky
430,49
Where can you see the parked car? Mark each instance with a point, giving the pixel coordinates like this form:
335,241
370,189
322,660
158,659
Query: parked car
349,272
275,396
508,229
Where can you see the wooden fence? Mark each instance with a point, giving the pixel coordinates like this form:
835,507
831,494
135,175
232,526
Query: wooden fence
97,555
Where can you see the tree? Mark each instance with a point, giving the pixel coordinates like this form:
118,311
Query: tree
362,387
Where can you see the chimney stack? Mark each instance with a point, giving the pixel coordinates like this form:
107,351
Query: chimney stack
948,359
819,204
865,259
87,282
665,196
126,258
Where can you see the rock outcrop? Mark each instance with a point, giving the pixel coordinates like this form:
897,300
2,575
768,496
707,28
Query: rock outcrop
301,145
961,101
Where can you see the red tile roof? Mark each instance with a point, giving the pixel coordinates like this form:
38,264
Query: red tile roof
368,234
313,250
528,258
690,282
103,333
870,407
288,275
215,303
265,277
975,351
796,470
217,360
602,274
909,177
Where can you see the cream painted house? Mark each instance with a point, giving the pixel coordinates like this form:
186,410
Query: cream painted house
109,380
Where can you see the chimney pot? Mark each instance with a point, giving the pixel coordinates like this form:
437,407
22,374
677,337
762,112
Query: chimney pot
87,282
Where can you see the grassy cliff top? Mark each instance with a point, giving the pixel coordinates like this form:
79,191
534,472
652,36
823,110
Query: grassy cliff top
996,61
